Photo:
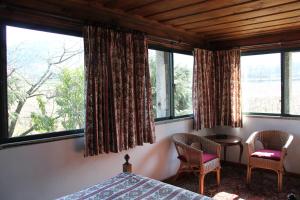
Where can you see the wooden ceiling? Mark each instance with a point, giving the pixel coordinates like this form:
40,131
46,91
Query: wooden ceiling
217,19
185,20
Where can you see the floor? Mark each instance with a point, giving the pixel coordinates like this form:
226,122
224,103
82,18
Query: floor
263,185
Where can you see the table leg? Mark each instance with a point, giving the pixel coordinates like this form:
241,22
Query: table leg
225,150
241,152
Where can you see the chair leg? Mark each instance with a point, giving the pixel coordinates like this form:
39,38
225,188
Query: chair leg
279,181
249,171
218,176
178,172
201,183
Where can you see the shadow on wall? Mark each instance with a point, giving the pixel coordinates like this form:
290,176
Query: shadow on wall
158,158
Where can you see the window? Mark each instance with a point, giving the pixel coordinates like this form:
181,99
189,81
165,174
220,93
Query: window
292,83
171,79
271,82
261,83
183,81
44,83
160,73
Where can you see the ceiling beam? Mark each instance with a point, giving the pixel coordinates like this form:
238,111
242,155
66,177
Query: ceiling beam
93,11
278,39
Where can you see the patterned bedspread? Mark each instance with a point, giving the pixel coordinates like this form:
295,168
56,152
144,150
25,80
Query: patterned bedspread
130,186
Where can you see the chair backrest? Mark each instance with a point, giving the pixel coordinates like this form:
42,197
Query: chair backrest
186,138
183,143
273,139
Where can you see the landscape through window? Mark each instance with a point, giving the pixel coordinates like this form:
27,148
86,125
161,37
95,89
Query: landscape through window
45,82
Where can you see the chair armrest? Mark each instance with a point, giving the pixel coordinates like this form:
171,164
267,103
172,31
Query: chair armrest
187,152
210,146
286,146
251,142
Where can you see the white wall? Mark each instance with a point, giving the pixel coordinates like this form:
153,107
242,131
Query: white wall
252,124
50,170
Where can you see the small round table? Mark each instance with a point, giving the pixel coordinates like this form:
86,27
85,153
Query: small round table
227,140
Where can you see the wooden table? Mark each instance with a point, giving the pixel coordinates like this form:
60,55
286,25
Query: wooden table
227,140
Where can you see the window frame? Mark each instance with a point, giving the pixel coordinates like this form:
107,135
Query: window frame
282,52
5,140
171,52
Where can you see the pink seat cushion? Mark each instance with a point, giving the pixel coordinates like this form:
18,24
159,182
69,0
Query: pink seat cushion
208,157
267,154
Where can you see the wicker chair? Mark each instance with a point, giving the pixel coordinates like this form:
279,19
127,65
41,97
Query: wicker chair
197,154
275,145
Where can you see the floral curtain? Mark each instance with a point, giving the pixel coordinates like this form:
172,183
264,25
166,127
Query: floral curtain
228,87
118,91
216,88
203,89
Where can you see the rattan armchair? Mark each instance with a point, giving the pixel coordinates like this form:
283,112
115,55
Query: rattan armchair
275,145
198,155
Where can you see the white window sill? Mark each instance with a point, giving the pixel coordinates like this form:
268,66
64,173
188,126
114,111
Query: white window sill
273,117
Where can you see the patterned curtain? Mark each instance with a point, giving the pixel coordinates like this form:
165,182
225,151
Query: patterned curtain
118,91
228,87
203,89
216,89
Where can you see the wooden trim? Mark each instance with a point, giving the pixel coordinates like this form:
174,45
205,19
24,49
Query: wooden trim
170,44
261,42
88,11
254,31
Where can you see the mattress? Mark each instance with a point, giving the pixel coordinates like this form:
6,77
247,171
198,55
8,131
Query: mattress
132,186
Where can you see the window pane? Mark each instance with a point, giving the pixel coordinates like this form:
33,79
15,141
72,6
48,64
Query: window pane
293,82
45,82
261,83
159,72
183,70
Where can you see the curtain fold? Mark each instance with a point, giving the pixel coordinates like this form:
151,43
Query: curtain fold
118,91
216,88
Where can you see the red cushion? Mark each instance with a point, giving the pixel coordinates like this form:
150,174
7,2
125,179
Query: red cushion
268,154
208,157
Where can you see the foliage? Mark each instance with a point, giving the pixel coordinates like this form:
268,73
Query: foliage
70,98
183,88
41,121
153,83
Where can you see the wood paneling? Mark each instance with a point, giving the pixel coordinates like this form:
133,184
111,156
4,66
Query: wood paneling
195,8
125,4
161,7
193,22
244,16
89,11
251,21
236,9
253,27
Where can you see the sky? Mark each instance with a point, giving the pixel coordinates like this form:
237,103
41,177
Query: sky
30,50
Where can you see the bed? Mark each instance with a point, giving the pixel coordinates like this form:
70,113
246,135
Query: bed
131,186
